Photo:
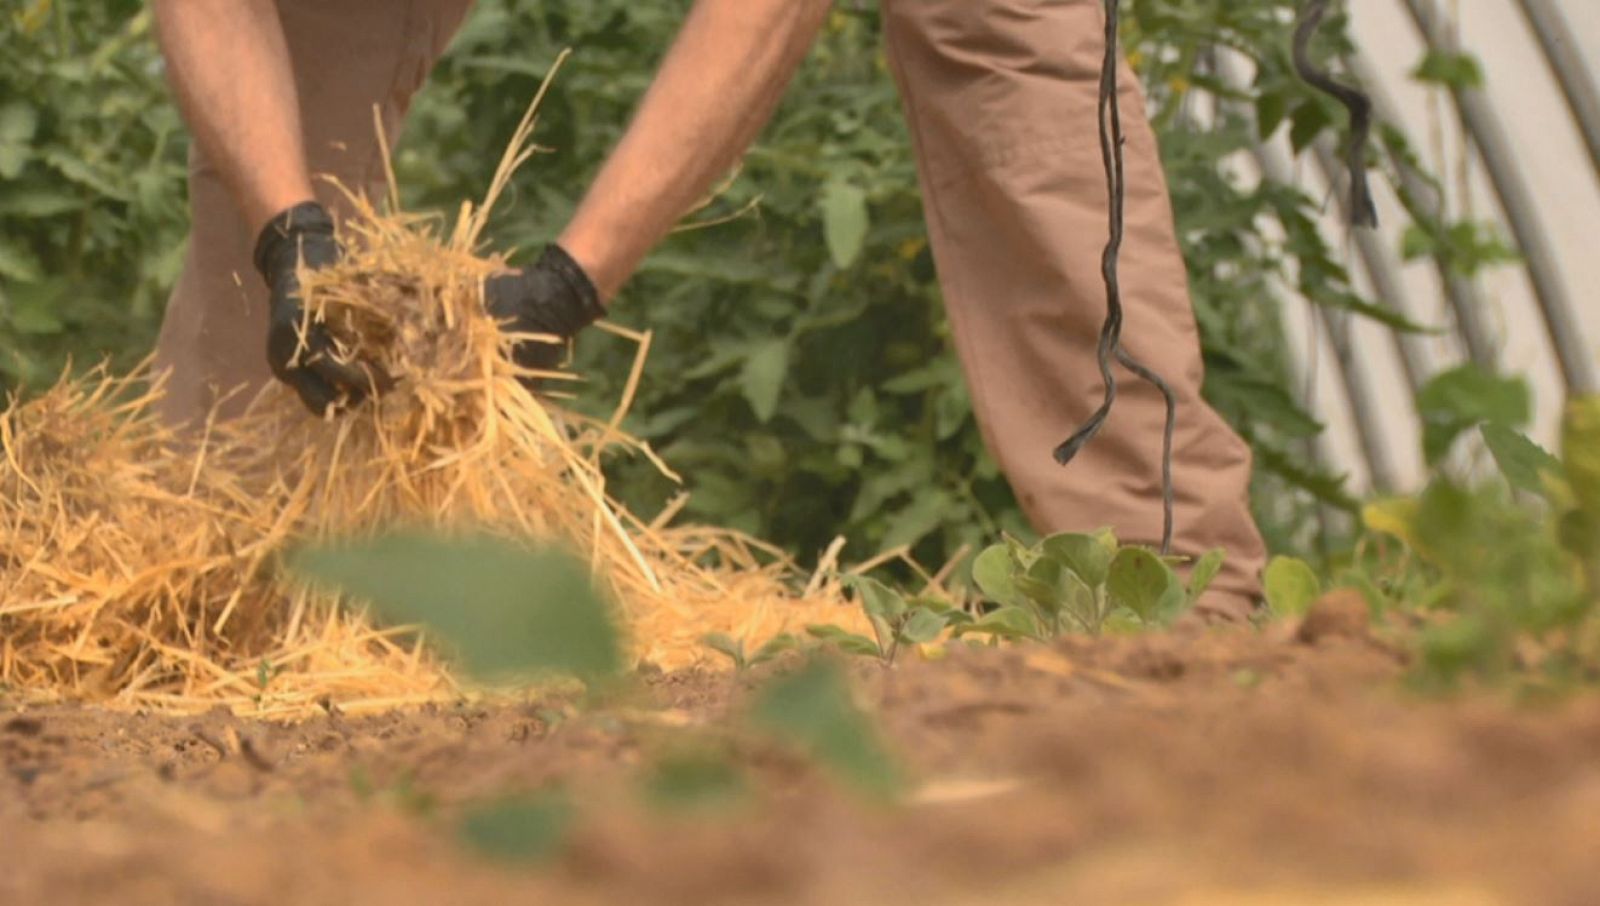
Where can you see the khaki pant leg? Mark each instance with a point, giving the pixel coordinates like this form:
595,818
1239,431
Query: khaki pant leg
1001,96
348,55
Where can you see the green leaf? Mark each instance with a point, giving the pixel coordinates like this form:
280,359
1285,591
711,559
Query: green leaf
17,261
36,307
96,178
507,609
521,830
812,711
1141,582
913,522
38,202
923,626
1205,571
775,646
1089,556
878,599
1521,461
1457,71
993,571
1045,584
763,376
1011,622
18,122
1580,450
726,645
1464,398
844,640
844,221
1291,585
1309,120
1272,108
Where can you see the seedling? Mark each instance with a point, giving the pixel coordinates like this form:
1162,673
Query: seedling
1081,583
734,649
896,622
265,672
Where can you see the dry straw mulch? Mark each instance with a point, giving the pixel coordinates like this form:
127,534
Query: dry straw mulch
141,565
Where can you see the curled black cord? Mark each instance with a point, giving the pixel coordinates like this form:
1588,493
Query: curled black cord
1363,210
1110,347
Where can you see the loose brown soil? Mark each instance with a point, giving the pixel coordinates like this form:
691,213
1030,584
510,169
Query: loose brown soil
1201,767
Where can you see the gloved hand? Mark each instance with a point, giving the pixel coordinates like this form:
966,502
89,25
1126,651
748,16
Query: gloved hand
554,298
306,363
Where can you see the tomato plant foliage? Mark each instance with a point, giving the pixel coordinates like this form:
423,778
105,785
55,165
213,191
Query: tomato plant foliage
801,372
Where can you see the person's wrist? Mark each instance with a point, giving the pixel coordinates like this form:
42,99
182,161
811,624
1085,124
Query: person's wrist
579,287
279,242
591,260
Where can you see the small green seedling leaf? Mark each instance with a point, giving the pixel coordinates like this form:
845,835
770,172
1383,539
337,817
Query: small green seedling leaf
727,645
1140,581
992,571
1523,462
1006,622
507,610
1045,585
1086,555
812,711
923,626
775,646
1292,586
878,599
521,830
844,640
1205,572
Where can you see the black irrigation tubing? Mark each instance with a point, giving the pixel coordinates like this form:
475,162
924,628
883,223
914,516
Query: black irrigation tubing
1110,346
1362,209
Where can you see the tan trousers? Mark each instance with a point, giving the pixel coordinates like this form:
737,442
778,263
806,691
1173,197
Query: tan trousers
1001,97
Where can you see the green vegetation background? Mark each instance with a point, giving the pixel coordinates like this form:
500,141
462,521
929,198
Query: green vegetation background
801,374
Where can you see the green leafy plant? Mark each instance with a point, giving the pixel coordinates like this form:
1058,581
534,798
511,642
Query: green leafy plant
896,622
91,187
1503,577
1081,583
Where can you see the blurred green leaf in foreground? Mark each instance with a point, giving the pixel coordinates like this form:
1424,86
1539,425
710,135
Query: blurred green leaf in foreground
505,609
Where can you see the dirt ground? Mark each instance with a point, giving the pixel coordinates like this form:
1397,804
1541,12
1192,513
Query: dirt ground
1202,767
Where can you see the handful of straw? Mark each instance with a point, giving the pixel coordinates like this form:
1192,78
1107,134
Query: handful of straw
140,564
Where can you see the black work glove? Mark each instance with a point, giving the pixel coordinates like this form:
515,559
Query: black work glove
554,297
304,233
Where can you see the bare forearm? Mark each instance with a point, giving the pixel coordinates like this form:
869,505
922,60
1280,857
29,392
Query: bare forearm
229,67
718,87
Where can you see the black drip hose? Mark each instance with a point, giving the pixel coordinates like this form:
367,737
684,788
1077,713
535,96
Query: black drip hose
1363,210
1110,347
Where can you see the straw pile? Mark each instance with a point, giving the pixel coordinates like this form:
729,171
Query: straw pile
141,567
